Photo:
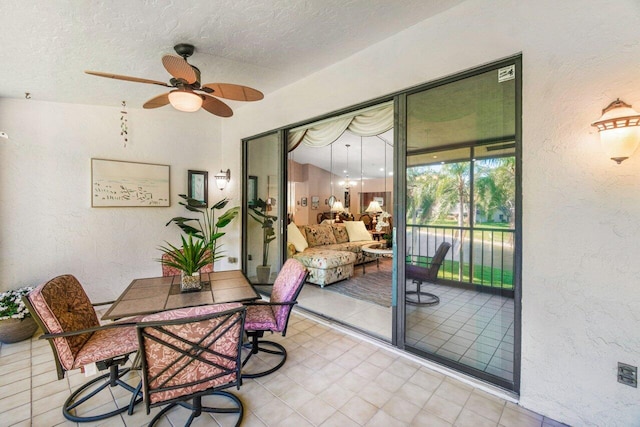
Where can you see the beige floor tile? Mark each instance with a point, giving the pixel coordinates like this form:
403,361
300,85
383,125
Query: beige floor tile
9,377
469,418
315,362
315,383
424,418
443,408
50,418
41,368
294,420
381,359
353,382
279,384
49,389
525,411
359,410
401,409
425,380
348,361
382,419
15,400
336,396
251,420
333,372
514,418
485,407
368,370
15,361
49,402
44,357
389,382
453,392
402,369
7,349
273,413
296,397
45,378
317,411
338,419
414,394
15,387
375,395
16,414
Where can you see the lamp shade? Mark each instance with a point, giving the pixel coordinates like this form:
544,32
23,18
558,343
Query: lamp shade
222,178
337,207
185,100
374,207
619,129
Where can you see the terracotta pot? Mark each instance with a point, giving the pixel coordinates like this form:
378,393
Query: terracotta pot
14,330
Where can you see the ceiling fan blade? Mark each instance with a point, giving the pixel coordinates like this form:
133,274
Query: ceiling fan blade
179,68
127,78
234,92
158,101
217,107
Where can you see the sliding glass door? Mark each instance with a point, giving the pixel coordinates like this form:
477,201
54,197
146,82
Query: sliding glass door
461,229
263,208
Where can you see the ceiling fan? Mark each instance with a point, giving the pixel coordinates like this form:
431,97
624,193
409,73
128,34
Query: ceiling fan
188,94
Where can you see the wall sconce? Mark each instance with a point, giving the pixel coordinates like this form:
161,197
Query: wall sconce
619,129
222,178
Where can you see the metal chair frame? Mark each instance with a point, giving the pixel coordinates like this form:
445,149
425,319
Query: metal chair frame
115,374
193,353
430,275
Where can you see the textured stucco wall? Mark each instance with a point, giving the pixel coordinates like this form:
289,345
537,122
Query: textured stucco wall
48,224
581,210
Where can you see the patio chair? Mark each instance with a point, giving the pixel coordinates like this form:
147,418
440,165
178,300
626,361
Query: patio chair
190,353
63,311
429,275
273,316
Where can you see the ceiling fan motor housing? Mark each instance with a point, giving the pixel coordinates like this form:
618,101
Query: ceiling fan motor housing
184,49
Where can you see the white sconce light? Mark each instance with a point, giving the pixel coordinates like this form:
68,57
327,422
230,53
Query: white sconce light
222,178
185,100
619,129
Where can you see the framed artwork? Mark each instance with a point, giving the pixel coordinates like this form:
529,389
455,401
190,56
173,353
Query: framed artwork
303,202
380,200
198,188
117,183
315,202
252,191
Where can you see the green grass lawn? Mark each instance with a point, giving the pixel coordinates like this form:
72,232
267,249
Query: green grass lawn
481,275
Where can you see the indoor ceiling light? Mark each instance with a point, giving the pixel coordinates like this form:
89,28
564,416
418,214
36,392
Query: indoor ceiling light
185,100
619,129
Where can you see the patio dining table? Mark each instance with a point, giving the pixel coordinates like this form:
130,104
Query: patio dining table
154,294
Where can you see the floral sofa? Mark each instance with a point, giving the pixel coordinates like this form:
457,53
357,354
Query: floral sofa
329,251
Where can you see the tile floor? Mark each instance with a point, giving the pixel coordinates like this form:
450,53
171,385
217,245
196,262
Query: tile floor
469,327
332,378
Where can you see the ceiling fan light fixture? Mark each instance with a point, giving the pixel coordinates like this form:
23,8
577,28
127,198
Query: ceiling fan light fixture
186,101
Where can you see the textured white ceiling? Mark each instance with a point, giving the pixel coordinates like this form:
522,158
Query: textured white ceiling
46,45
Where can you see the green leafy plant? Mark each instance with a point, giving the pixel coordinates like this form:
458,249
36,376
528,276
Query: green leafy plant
268,233
206,228
11,305
190,258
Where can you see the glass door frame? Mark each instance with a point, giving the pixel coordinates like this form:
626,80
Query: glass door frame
280,226
400,188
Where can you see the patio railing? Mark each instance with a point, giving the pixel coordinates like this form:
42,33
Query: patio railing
487,254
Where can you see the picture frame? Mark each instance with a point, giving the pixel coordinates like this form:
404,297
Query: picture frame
303,202
119,183
198,188
380,200
315,202
252,191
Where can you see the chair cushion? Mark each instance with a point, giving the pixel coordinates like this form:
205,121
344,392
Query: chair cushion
260,318
295,237
286,288
321,234
320,258
107,343
63,306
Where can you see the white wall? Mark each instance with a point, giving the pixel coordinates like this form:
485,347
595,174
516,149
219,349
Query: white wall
48,224
581,211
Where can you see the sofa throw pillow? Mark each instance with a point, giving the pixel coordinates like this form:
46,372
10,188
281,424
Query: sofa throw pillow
340,233
295,237
319,235
357,231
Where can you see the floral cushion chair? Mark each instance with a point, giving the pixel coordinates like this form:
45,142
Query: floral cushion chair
273,316
69,321
190,353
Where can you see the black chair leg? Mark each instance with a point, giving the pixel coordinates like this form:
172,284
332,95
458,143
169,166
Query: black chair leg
79,397
422,298
256,345
197,409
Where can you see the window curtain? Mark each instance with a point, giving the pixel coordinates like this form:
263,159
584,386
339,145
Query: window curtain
368,122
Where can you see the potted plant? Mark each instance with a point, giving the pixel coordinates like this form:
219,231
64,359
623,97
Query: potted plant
268,235
206,228
16,323
189,260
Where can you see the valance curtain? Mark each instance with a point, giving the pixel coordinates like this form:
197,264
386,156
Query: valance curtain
369,122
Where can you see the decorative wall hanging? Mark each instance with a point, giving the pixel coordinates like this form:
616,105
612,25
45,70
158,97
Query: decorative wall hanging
198,187
116,183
